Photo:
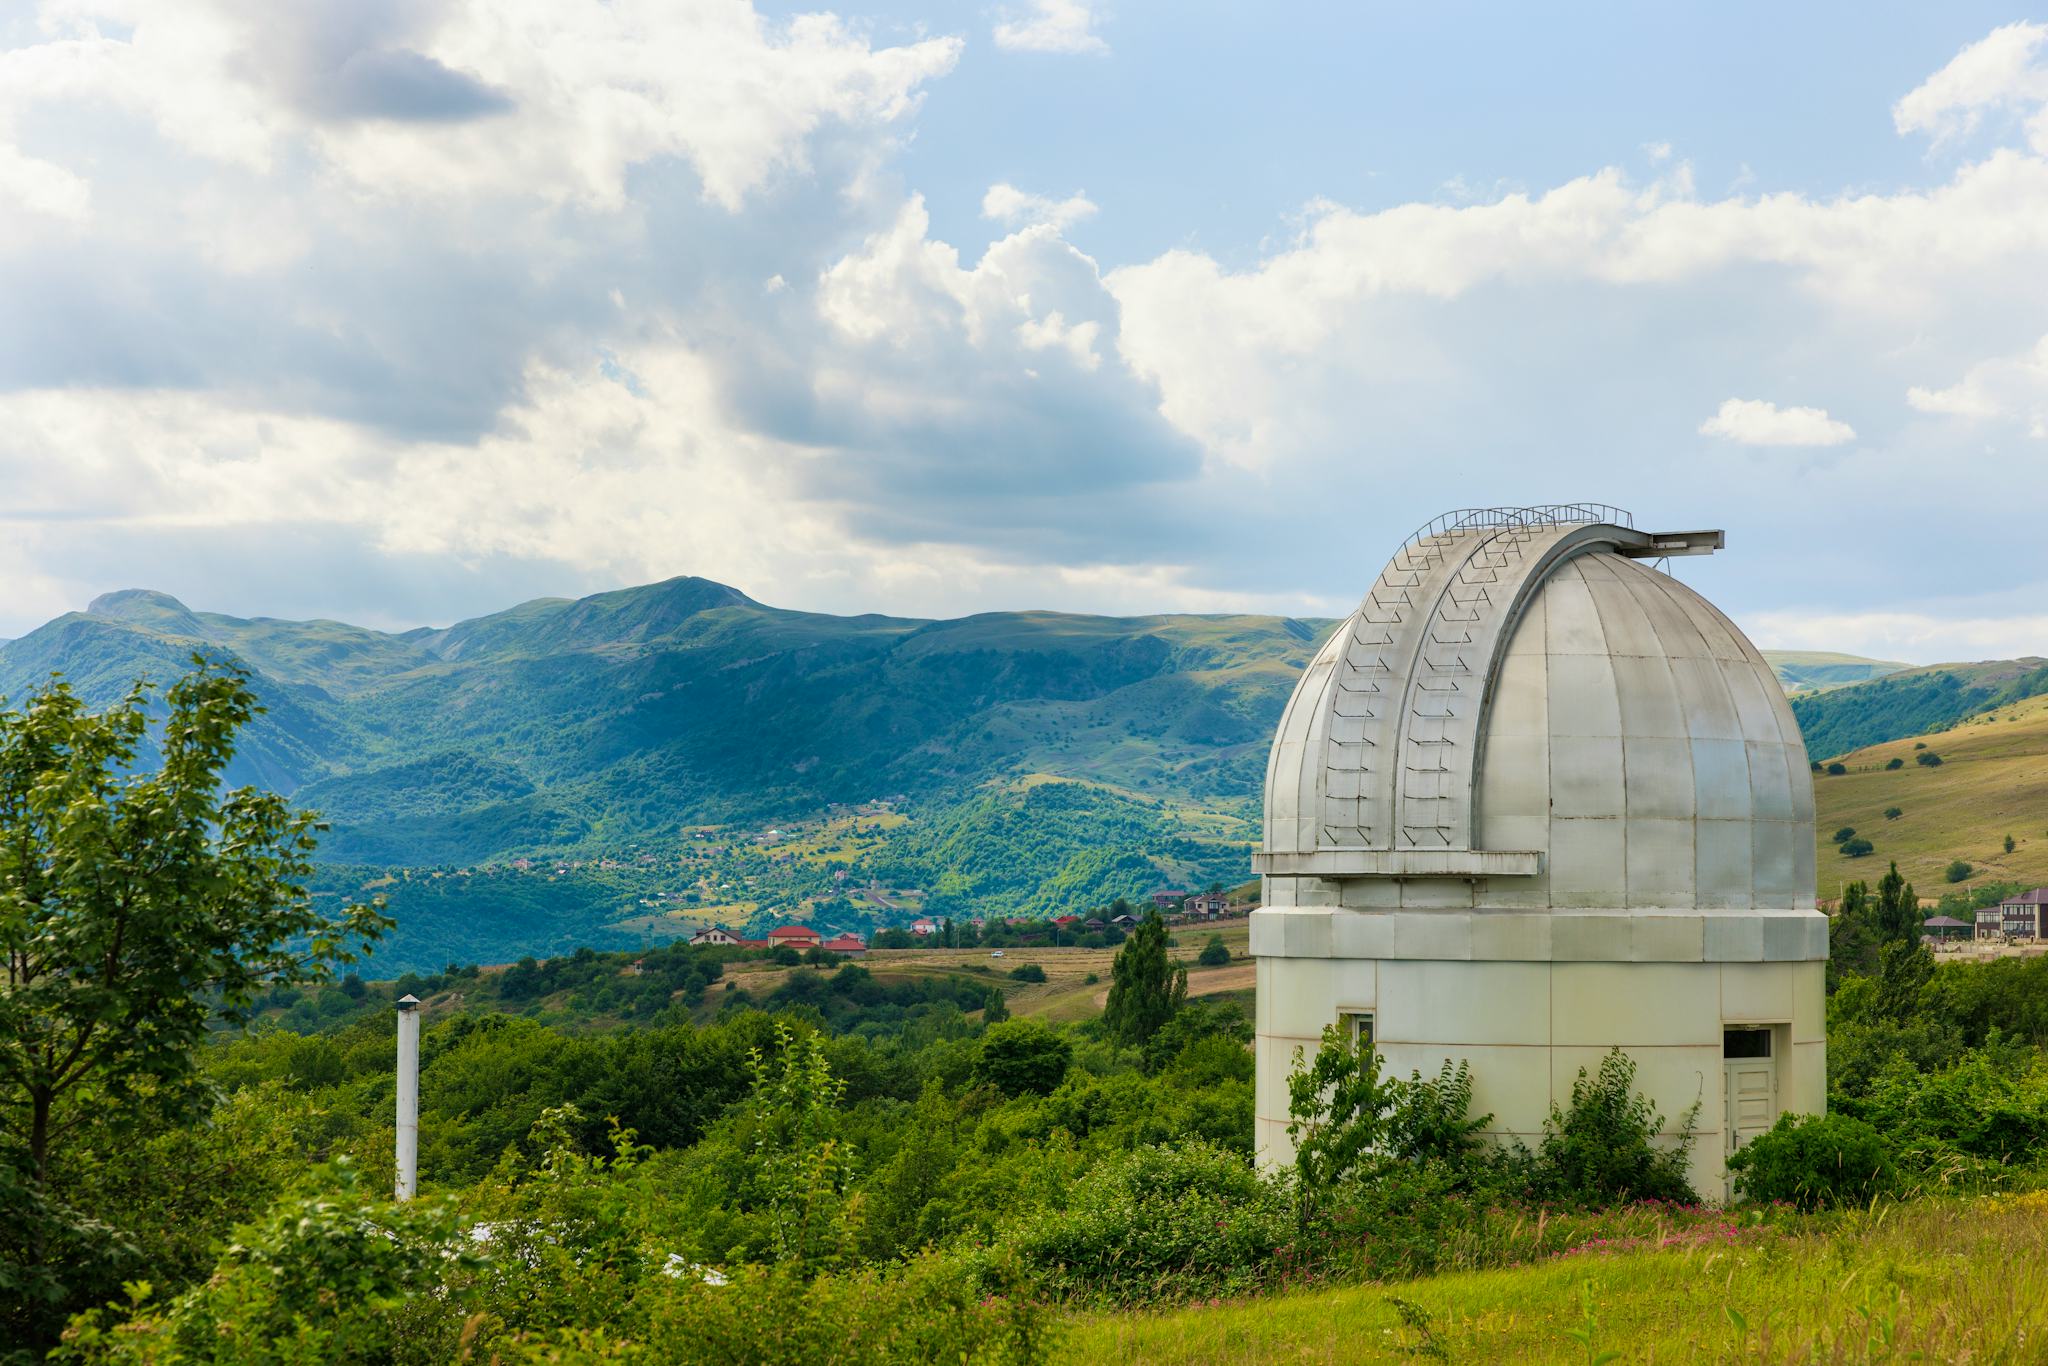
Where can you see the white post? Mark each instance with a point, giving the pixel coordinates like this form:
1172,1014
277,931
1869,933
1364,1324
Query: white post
408,1097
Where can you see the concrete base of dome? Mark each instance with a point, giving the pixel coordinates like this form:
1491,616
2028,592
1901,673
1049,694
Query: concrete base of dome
1530,998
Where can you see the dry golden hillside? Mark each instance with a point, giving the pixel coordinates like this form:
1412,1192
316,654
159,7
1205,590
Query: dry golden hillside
1992,781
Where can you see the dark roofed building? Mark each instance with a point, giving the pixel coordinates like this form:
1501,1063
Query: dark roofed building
2017,917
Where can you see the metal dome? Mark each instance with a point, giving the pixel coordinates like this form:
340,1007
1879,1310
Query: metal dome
1522,703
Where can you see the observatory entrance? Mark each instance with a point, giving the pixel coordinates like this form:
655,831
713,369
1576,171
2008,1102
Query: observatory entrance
1752,1079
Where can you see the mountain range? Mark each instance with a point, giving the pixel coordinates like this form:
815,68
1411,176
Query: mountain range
1037,754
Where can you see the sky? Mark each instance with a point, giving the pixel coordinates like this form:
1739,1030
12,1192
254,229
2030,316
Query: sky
400,313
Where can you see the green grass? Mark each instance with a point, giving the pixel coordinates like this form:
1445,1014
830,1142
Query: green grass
1937,1281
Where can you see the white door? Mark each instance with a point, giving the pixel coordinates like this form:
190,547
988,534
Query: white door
1752,1099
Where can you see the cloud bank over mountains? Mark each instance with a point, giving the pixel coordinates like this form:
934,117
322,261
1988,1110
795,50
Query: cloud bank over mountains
399,312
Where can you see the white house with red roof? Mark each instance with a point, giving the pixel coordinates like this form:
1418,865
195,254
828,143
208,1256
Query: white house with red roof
796,936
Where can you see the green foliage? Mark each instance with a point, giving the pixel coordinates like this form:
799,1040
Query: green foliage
1836,770
1028,972
324,1277
2009,844
1958,870
933,1309
798,1167
1892,813
1161,1223
1146,986
1023,1057
138,905
1214,954
1604,1148
1894,763
1927,759
1815,1161
1844,833
1337,1107
1432,1120
1858,847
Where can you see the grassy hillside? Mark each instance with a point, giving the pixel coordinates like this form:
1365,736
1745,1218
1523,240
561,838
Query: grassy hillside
1903,1284
1992,781
1914,702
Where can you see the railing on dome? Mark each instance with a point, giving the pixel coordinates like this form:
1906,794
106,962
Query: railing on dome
1543,514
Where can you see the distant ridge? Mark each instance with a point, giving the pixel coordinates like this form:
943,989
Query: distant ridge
1818,670
1912,702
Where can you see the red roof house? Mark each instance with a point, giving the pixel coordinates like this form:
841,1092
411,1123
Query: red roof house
796,936
849,944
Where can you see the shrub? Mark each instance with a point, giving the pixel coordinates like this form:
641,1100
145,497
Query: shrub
1162,1223
327,1277
1815,1161
1023,1057
1091,979
2008,844
933,1308
1844,833
1858,847
1028,972
1928,758
1892,813
1432,1119
1836,770
1603,1149
1958,871
1894,763
1215,955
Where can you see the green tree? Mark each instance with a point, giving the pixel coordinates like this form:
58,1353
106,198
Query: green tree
139,904
1892,813
1844,833
1213,954
2009,844
1146,987
1337,1108
1958,871
1023,1057
1894,763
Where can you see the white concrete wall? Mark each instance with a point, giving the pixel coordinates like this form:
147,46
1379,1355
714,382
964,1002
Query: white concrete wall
1526,1028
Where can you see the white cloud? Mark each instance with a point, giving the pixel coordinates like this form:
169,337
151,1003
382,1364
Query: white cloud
1006,203
2001,71
2010,387
1916,637
563,97
1053,26
1755,422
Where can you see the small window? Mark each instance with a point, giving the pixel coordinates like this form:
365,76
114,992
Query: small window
1745,1043
1357,1027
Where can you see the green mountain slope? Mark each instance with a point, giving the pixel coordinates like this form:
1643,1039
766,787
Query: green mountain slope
600,730
1914,702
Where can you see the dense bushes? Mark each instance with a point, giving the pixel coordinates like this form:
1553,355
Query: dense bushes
1814,1161
1603,1148
1160,1223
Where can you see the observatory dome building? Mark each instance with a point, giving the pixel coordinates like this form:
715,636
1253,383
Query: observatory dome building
1536,799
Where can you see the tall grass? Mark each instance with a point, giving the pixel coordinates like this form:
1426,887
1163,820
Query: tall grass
1939,1280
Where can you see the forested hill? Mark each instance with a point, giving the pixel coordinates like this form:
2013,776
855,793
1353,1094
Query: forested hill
564,727
1912,702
